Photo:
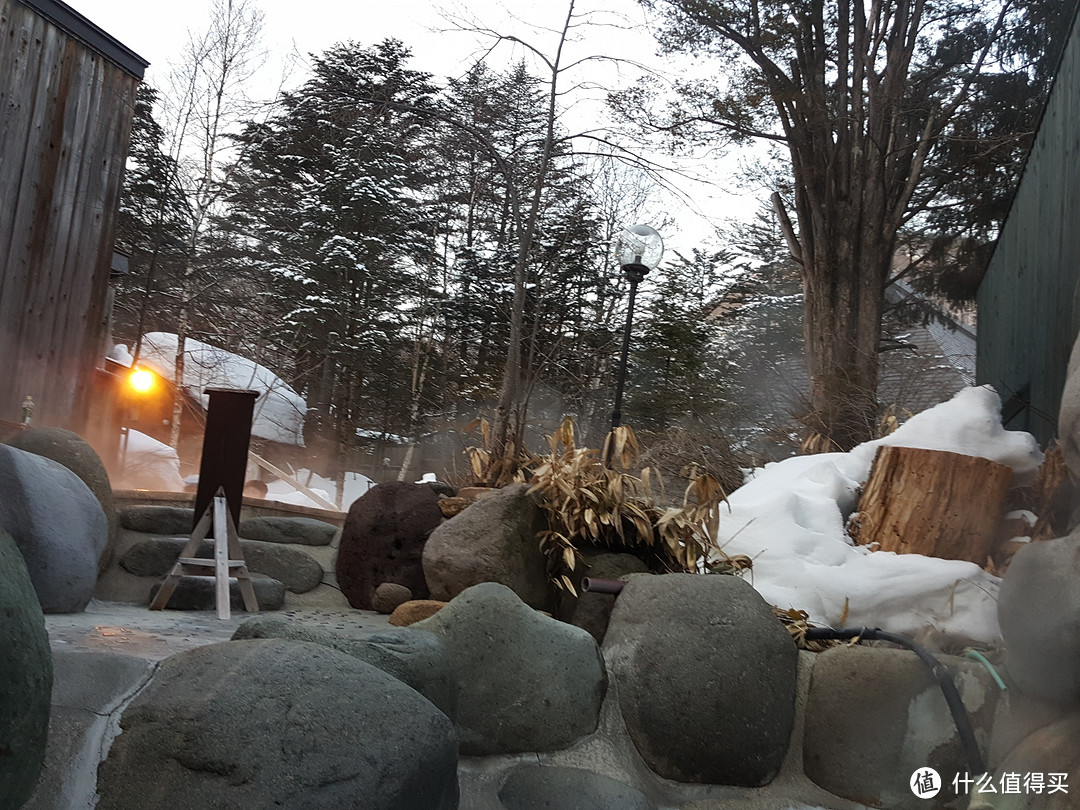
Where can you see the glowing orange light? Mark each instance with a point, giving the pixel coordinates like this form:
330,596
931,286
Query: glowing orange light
141,380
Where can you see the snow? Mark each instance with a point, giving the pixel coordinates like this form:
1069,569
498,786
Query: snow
146,463
789,519
279,410
356,484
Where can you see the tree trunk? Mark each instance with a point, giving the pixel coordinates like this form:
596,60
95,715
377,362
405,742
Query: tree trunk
932,502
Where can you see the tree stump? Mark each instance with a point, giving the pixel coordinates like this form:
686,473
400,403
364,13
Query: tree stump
931,502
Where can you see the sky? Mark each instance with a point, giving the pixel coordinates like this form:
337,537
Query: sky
158,31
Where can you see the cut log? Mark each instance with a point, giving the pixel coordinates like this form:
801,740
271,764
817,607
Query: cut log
931,502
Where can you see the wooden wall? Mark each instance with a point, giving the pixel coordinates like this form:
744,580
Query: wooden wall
65,121
1029,301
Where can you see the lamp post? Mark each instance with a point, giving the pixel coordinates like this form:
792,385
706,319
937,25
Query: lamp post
638,250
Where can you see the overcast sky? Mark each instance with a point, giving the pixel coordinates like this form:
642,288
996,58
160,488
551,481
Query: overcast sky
157,30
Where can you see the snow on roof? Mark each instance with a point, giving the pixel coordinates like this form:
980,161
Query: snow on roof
279,410
789,519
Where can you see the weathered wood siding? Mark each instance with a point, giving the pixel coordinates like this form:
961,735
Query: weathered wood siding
65,121
1029,301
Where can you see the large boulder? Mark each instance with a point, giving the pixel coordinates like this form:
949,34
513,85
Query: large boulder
525,681
58,525
301,530
413,657
25,679
274,723
1039,614
706,677
494,540
383,540
537,787
71,450
296,569
883,708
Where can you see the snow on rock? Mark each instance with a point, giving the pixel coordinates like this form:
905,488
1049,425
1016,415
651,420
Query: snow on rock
279,410
789,519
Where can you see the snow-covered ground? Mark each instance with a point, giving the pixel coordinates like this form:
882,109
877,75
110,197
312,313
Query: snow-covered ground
356,484
790,519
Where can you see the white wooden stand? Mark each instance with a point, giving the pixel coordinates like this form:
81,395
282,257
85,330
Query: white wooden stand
228,561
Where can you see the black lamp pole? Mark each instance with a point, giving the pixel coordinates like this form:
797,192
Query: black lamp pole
635,272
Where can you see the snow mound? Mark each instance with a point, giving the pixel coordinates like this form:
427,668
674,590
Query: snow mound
279,410
789,519
146,463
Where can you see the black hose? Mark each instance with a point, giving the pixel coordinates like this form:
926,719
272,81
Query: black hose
937,669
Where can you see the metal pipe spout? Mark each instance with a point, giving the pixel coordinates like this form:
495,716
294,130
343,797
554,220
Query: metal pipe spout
594,585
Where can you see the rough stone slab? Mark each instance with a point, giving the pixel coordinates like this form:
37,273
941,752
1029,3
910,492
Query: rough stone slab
300,530
413,657
882,708
241,725
532,787
200,593
706,677
525,682
298,570
87,687
158,519
26,677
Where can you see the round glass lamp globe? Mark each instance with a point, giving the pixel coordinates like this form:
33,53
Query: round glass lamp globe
639,244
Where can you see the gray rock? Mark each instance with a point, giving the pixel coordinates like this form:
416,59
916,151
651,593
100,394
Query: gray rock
200,593
1039,614
58,525
882,708
389,596
525,682
1069,414
300,530
592,611
706,677
1053,749
158,519
535,787
298,570
412,656
69,449
493,540
273,723
25,679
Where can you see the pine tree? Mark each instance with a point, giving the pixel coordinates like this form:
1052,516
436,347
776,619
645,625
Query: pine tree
331,197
